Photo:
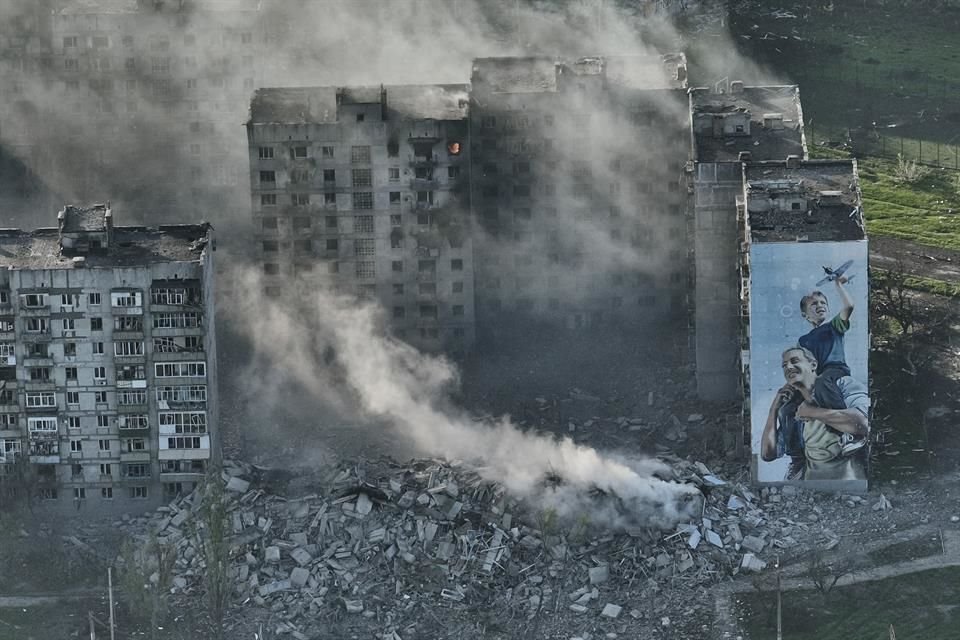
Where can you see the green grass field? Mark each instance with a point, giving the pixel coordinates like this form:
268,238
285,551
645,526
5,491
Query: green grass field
921,606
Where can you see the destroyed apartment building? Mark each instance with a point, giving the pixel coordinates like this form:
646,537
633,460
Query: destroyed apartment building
363,190
410,194
803,306
109,352
588,192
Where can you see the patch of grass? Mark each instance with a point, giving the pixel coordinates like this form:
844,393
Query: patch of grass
921,606
925,211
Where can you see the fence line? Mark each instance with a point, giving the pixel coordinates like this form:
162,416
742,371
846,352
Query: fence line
872,142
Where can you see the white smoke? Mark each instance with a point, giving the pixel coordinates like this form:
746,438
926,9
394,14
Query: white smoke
393,383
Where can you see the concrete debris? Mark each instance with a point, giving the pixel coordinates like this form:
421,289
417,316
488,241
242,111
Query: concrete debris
751,562
599,575
238,485
382,539
883,504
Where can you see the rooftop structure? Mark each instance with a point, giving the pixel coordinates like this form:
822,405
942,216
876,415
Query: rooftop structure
803,201
110,352
542,74
322,105
764,123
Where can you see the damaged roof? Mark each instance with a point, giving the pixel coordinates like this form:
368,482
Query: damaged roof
85,218
131,246
763,143
318,105
828,196
539,74
534,74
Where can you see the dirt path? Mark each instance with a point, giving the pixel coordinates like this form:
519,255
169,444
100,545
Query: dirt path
918,259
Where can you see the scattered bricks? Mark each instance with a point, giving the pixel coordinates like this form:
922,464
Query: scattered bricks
735,503
271,554
735,533
599,575
181,517
301,556
454,510
751,562
407,499
238,485
452,489
574,596
353,606
299,539
578,608
445,550
611,610
714,539
364,506
274,587
789,490
753,543
299,577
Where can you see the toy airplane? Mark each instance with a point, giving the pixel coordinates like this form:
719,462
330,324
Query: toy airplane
833,274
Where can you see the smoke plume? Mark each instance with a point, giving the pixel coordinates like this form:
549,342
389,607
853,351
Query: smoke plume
340,354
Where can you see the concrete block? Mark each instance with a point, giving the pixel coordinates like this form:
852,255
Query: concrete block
271,554
611,610
299,577
301,556
238,484
599,574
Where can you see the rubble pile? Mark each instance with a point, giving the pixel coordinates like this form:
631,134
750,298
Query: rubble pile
387,543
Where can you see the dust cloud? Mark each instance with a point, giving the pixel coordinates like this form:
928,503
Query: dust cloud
341,355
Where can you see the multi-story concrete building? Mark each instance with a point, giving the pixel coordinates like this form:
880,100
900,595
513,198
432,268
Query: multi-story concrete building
804,252
577,190
108,396
363,190
160,86
729,125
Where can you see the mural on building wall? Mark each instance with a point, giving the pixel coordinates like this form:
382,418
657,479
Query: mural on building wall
808,361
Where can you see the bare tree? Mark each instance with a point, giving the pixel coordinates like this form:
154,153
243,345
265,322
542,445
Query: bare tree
212,533
145,578
824,574
917,324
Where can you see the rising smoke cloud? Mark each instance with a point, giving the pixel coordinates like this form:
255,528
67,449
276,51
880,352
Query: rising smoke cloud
335,350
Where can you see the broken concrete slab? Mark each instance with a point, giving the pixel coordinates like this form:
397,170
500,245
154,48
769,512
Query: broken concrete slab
271,554
611,610
753,543
599,575
238,485
752,563
299,577
301,556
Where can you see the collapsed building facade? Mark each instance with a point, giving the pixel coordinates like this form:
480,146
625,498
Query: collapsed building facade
109,371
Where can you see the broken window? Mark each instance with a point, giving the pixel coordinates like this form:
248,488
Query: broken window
266,153
394,198
361,177
458,287
458,310
326,152
366,269
397,289
301,222
456,264
300,199
333,244
488,122
427,288
396,241
329,175
298,152
364,247
363,200
268,177
424,198
331,222
428,311
453,173
271,269
360,154
300,176
270,246
269,223
363,224
399,312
